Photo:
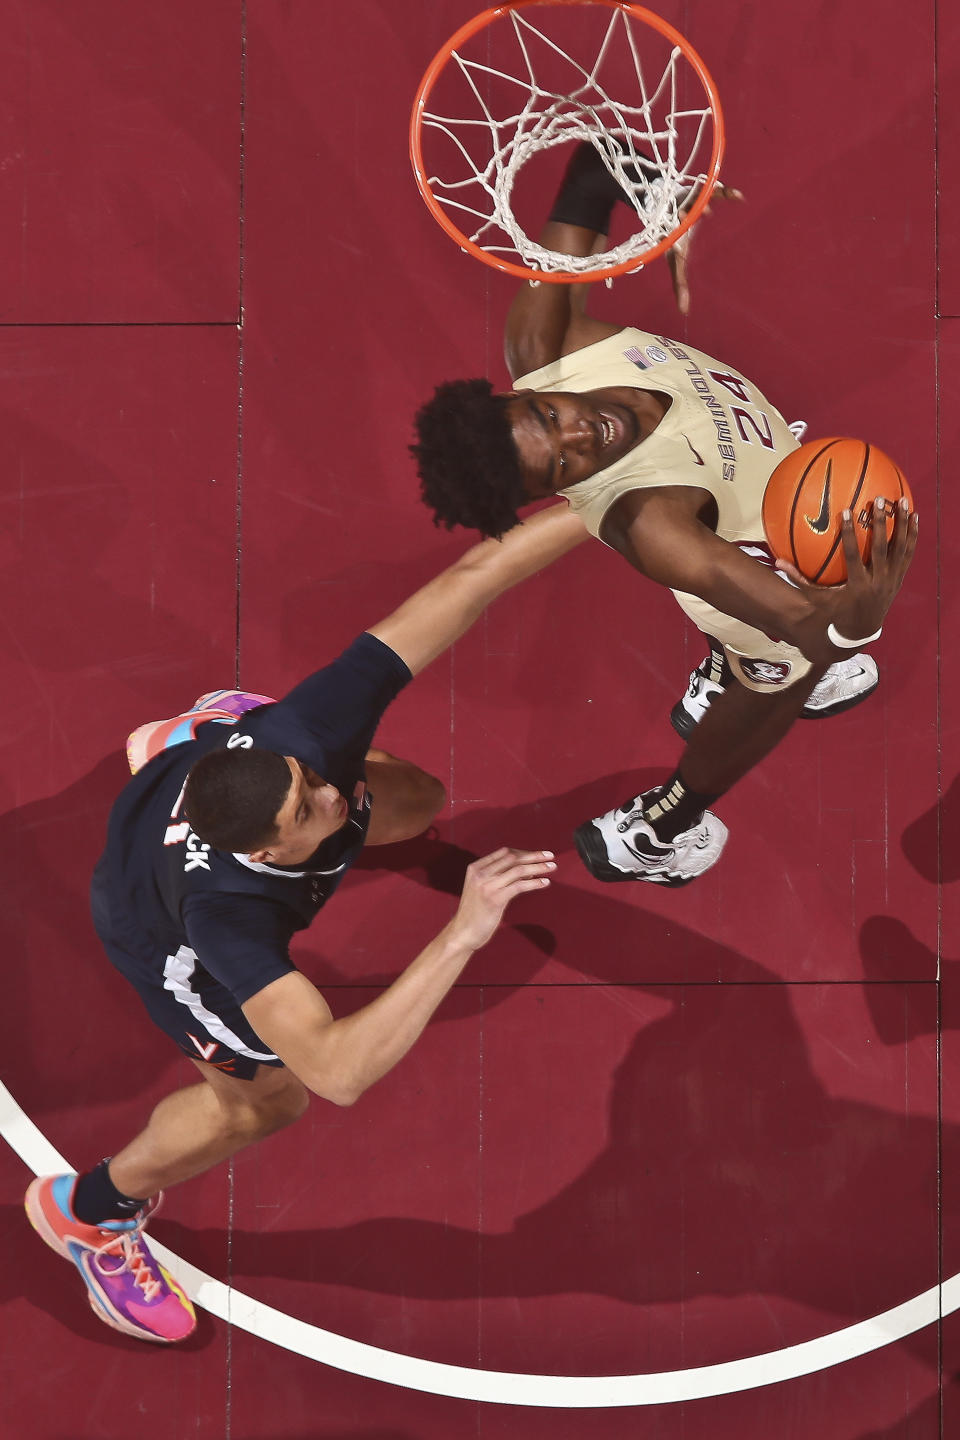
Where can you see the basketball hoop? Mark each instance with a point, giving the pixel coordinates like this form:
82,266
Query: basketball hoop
497,94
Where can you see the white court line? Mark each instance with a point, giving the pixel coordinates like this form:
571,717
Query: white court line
585,1392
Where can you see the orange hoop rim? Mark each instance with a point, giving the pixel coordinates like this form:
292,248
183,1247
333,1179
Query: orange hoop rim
553,277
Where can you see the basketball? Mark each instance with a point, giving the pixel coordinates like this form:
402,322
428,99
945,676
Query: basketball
807,494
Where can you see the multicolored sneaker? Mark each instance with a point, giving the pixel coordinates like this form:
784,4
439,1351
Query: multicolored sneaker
127,1288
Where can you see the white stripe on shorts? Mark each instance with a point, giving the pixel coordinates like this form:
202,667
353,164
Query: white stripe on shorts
178,972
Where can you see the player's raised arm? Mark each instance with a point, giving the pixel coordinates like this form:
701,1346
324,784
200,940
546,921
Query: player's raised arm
340,1059
439,613
546,321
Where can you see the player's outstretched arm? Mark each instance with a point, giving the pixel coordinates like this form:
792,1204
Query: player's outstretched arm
340,1059
426,624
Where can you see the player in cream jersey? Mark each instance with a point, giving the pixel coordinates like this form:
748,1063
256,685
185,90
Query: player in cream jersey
718,433
663,452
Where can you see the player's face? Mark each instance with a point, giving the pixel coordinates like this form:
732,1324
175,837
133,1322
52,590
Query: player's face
562,439
313,810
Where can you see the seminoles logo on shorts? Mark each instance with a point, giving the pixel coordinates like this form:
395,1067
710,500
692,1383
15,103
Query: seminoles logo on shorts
766,672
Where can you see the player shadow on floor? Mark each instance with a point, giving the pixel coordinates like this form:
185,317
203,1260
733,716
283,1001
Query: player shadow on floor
438,863
71,1026
931,843
727,1169
892,955
892,959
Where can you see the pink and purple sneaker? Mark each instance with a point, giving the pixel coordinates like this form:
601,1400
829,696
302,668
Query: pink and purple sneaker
126,1286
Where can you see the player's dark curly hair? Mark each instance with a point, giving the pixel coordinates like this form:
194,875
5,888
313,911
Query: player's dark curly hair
232,798
469,467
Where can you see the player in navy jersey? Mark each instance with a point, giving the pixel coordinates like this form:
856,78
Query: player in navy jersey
225,843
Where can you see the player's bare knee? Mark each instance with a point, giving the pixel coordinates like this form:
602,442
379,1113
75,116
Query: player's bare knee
285,1106
262,1114
434,796
406,800
427,797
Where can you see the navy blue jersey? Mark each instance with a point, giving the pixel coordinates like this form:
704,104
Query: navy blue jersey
161,888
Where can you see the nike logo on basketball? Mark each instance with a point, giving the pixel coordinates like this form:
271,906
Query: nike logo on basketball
696,456
819,525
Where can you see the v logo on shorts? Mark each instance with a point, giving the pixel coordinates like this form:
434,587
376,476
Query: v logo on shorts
819,525
207,1051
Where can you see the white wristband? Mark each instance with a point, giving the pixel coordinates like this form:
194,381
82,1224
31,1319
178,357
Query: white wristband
835,638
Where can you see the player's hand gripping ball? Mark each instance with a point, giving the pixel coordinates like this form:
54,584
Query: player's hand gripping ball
807,494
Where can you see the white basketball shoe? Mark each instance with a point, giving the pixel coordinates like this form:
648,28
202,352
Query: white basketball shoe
844,685
621,845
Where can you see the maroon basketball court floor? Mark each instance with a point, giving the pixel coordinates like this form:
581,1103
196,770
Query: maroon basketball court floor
666,1164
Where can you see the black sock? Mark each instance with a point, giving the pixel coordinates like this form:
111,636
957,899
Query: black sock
96,1198
673,808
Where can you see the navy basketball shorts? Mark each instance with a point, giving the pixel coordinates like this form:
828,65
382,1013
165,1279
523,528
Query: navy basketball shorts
198,1013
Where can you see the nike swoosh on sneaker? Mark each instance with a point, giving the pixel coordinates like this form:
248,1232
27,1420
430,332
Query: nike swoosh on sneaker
819,525
657,859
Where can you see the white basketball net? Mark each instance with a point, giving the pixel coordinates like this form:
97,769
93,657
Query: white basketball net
655,129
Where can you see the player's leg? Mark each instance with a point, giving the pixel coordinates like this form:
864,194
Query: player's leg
97,1219
669,835
740,728
405,799
197,1127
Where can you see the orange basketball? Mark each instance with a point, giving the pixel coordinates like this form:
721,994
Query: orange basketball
809,490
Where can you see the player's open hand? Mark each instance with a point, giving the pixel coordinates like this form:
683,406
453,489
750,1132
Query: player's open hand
858,607
678,255
490,885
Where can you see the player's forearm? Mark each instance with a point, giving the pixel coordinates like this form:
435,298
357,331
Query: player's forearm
692,560
538,319
782,612
354,1052
438,614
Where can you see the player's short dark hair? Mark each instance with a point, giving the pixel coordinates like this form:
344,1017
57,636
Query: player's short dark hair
469,467
232,798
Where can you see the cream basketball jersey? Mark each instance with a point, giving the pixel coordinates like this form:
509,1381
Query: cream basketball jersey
719,433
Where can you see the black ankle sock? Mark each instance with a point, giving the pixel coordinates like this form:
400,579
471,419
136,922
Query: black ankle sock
96,1198
673,808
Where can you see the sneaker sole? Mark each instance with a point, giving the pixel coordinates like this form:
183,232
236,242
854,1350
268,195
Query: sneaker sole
40,1223
681,721
592,852
685,727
